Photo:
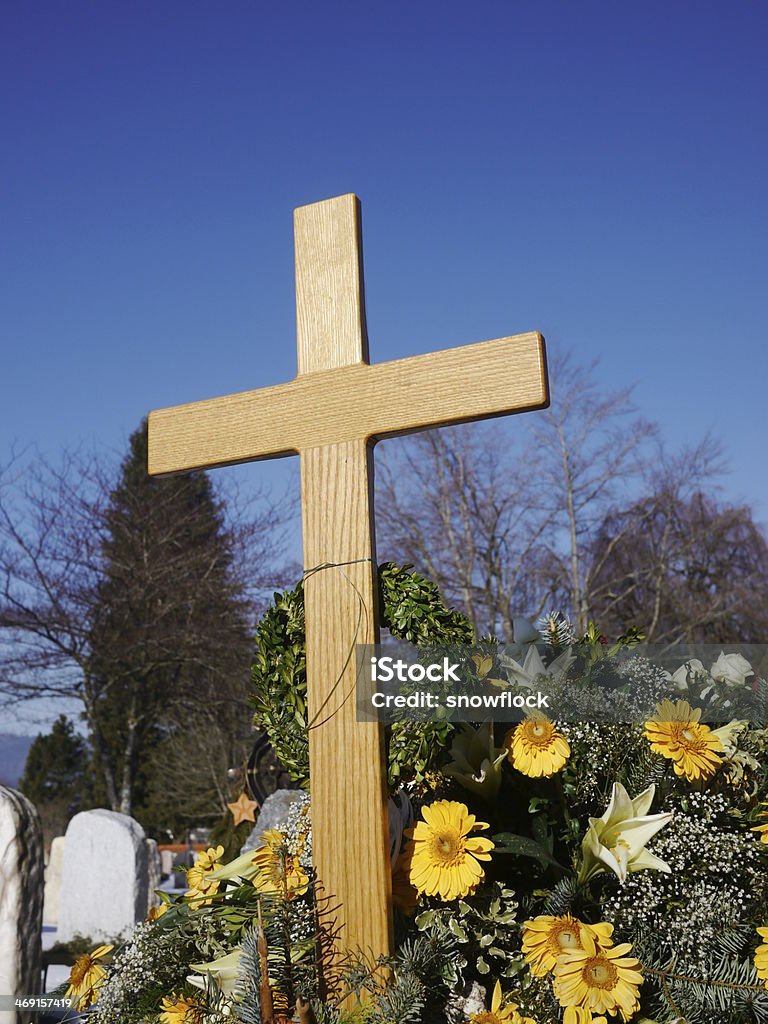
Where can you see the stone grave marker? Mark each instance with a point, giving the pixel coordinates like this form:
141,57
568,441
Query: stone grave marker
273,811
154,873
53,881
166,861
105,876
21,901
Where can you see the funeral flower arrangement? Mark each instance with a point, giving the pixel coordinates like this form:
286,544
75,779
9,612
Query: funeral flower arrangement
608,868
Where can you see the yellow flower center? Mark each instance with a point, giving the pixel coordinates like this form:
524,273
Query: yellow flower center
618,846
689,736
568,938
599,972
446,845
484,1018
538,733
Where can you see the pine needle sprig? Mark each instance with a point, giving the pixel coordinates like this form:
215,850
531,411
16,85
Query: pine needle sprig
562,897
726,990
645,769
556,630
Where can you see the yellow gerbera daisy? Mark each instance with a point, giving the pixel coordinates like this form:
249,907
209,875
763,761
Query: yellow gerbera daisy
546,938
500,1012
676,732
599,979
446,856
761,956
536,748
181,1010
280,872
157,911
85,978
578,1015
201,886
763,829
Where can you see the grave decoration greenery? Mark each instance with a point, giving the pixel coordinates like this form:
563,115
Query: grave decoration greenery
412,610
542,871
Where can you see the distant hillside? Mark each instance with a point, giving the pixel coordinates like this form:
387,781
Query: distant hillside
13,754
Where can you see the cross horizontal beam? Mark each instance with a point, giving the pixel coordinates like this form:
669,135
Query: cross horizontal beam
359,401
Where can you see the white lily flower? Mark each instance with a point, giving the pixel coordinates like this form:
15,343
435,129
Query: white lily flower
224,971
737,761
680,677
731,669
244,867
477,761
533,666
524,634
729,735
524,631
617,840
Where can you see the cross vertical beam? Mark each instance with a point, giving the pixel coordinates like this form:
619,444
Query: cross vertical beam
350,832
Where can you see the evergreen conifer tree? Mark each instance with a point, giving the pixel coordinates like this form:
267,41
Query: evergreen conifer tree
169,633
56,765
58,776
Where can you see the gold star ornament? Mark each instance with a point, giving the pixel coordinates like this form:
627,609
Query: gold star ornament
243,809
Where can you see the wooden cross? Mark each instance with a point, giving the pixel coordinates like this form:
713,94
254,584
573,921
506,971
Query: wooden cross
337,407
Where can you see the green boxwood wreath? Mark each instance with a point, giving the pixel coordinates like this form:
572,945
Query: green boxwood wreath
412,610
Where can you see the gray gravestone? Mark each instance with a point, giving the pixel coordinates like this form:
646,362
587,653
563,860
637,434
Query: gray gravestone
273,812
21,900
53,881
105,878
166,861
154,873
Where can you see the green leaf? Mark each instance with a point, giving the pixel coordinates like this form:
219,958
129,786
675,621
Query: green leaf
524,846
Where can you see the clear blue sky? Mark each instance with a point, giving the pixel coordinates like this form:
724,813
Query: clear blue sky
594,171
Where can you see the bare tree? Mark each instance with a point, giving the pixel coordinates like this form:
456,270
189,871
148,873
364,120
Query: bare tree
591,450
503,517
130,601
679,563
51,531
453,503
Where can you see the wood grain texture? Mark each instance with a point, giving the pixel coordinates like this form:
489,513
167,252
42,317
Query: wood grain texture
490,378
330,312
350,830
